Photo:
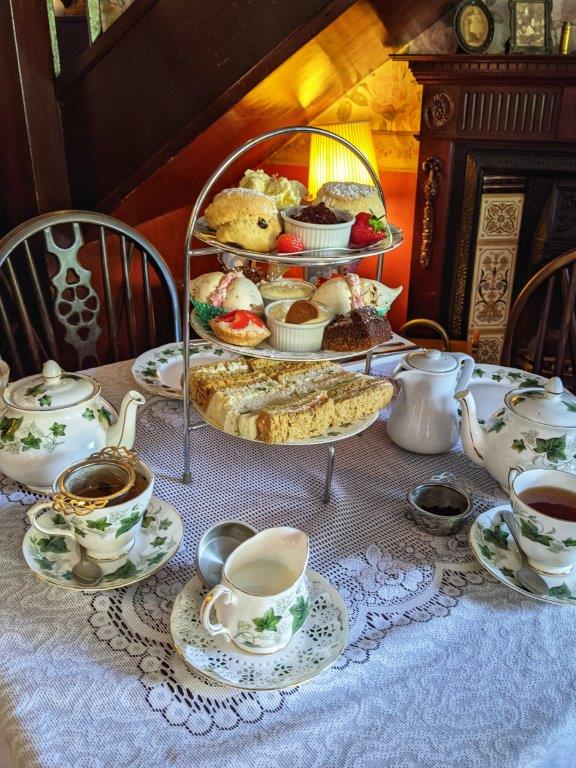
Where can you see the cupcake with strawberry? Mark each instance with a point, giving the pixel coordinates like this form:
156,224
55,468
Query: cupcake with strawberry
240,327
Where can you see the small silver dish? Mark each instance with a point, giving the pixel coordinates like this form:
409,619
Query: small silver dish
437,494
216,545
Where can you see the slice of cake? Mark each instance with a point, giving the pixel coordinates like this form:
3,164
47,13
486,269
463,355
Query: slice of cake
359,398
362,329
300,418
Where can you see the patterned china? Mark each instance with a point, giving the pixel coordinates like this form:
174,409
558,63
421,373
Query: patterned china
424,418
491,383
535,429
317,646
262,600
105,526
55,419
159,371
52,557
495,549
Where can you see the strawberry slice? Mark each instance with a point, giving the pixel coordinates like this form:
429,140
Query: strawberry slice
240,318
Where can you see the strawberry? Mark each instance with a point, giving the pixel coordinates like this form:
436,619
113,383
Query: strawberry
321,280
367,229
289,244
240,318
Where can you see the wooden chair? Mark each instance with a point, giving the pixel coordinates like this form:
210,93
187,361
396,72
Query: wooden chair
84,289
468,346
541,330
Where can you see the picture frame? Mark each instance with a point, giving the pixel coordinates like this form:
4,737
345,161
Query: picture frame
530,26
473,26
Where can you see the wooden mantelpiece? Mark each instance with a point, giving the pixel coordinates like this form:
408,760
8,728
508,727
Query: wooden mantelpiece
522,106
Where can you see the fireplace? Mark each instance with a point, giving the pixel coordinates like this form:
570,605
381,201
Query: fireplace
497,186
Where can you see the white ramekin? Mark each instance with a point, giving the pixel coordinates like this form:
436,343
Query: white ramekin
310,288
289,337
319,235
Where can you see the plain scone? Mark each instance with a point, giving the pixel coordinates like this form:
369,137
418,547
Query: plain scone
246,218
351,196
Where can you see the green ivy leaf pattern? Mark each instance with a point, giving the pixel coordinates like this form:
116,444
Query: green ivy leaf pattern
530,383
165,524
570,406
58,430
45,400
128,522
124,572
554,448
104,417
562,591
496,425
514,375
58,519
519,445
147,521
496,377
299,611
98,525
508,572
88,415
52,544
37,390
44,563
531,532
268,622
478,372
158,541
486,551
79,532
149,371
8,428
155,558
569,542
29,442
497,536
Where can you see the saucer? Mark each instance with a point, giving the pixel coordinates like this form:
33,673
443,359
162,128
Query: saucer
313,649
51,558
159,371
496,550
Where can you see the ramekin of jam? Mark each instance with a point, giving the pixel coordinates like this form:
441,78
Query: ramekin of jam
318,226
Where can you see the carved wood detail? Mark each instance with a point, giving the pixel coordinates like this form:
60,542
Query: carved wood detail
433,168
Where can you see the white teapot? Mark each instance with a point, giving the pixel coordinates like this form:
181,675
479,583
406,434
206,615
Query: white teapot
536,429
425,416
55,419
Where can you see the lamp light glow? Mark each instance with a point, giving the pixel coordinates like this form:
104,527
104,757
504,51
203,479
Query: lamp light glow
332,161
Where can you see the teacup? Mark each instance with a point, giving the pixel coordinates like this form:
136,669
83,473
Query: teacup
107,530
262,600
548,542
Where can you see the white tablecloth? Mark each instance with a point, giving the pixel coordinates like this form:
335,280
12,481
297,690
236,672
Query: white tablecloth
445,666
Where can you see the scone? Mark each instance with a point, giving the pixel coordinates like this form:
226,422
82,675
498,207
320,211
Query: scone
240,327
230,290
350,196
285,191
246,218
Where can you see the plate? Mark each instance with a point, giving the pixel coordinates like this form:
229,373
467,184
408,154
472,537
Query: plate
265,350
496,550
490,384
312,650
333,435
316,257
51,558
159,371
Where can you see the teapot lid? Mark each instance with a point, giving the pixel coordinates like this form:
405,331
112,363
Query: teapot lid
51,390
431,360
553,405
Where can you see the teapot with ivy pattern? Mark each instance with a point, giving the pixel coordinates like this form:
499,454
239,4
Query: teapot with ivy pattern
55,419
536,429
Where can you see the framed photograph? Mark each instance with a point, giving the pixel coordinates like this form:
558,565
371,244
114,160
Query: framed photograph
530,26
473,26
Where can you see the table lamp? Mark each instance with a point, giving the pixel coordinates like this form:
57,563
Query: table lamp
332,161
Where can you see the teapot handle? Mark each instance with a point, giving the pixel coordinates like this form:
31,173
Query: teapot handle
467,367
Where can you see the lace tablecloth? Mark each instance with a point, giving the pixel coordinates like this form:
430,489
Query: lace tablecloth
445,667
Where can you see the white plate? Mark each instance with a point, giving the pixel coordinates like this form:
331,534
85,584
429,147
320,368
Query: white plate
306,258
159,371
496,550
331,436
265,350
313,649
490,384
51,558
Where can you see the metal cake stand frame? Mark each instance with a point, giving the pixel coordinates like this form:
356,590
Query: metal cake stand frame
310,258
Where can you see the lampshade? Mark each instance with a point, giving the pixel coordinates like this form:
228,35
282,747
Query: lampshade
332,161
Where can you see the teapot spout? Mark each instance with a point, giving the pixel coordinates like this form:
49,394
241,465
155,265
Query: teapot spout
123,432
473,436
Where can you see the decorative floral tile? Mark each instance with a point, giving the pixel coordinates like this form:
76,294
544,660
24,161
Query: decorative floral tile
491,288
500,216
489,348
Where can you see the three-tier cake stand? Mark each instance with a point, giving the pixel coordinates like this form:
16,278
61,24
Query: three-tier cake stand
197,227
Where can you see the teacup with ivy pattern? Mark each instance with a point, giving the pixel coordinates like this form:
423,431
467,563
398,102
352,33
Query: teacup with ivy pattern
106,532
262,600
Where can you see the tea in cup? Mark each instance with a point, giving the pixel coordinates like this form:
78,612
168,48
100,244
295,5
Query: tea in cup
102,501
262,600
544,506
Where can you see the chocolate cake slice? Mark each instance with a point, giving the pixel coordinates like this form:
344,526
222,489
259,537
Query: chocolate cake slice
360,330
